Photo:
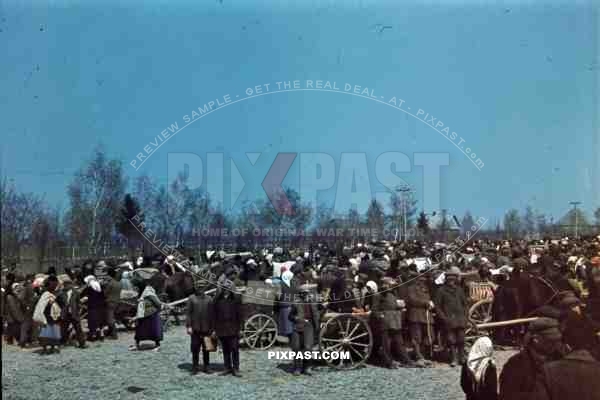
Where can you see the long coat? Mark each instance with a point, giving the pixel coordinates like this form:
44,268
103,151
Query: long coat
389,311
517,379
228,315
112,292
573,377
14,309
418,298
200,314
298,317
486,389
451,304
306,328
70,305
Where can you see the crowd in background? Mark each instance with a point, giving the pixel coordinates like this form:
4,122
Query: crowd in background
417,296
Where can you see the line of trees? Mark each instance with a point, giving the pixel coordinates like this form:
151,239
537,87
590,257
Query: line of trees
103,201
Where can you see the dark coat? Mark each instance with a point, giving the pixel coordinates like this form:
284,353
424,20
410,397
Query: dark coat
228,315
287,295
451,305
298,317
576,376
14,309
389,311
200,314
418,298
112,292
505,304
96,300
487,389
579,332
517,379
29,301
69,306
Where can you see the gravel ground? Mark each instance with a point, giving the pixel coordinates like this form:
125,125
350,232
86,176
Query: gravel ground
107,370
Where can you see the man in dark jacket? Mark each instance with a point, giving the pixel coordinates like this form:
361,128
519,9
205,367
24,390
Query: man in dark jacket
29,301
451,306
542,344
578,330
228,320
68,299
14,313
378,266
112,293
389,312
420,321
305,316
200,324
573,377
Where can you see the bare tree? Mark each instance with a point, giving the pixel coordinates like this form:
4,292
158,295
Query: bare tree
512,224
95,195
18,213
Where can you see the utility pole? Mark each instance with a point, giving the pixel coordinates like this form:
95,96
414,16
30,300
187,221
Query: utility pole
575,204
444,224
404,189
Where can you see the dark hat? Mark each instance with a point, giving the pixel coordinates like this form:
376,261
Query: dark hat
568,299
546,327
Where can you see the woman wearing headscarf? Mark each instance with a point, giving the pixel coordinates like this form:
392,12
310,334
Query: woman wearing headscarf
96,305
284,305
47,314
478,376
148,323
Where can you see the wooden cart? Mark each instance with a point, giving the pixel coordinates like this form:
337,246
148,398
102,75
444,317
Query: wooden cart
350,333
481,298
259,330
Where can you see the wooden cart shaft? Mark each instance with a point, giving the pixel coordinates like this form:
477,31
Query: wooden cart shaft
498,324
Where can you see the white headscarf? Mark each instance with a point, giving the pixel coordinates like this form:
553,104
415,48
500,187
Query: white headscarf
372,285
480,357
92,282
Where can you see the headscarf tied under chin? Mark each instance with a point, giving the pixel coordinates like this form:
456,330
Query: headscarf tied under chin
480,357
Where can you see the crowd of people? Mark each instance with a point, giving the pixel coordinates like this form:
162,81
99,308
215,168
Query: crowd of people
47,310
416,295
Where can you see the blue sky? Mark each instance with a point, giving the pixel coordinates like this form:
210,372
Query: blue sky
516,82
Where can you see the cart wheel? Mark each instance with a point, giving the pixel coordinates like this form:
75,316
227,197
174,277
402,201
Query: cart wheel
481,312
347,335
260,331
